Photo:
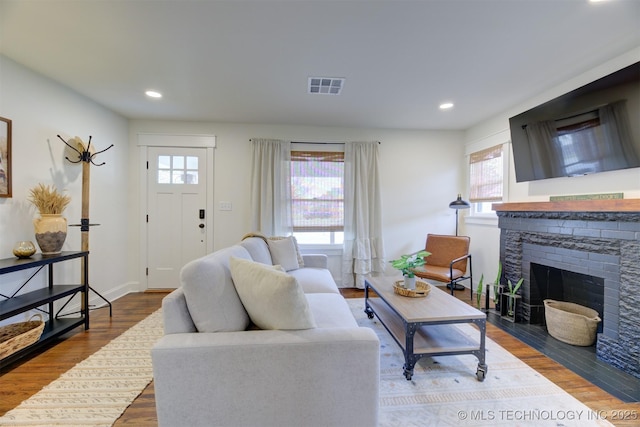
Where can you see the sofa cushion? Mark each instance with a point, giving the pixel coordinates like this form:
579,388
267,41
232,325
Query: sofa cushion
273,298
331,311
284,252
211,296
315,280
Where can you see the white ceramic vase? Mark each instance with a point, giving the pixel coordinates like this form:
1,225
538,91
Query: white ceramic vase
410,282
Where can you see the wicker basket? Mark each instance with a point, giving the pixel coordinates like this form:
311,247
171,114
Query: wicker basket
571,323
422,289
17,336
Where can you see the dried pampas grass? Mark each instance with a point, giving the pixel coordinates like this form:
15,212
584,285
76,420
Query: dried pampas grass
48,200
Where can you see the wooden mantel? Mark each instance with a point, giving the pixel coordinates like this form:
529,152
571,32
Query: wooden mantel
607,205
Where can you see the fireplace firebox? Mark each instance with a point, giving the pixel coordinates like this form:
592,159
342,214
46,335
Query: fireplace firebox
564,285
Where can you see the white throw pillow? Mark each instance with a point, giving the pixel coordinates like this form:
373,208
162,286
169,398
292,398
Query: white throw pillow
283,252
273,299
295,243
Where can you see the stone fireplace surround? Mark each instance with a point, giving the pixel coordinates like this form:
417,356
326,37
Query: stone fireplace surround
599,238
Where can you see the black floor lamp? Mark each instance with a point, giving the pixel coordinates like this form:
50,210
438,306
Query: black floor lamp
457,205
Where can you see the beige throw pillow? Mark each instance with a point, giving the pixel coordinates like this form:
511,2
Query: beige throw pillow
295,244
273,299
283,252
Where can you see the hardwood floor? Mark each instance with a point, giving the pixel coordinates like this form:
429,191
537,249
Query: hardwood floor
24,378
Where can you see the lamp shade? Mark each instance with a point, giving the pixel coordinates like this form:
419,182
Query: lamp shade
459,203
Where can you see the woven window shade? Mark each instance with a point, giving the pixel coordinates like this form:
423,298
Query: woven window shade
317,184
486,175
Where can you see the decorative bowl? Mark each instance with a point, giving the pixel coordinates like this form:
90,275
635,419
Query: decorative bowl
24,249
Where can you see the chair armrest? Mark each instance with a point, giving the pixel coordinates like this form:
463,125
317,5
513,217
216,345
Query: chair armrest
459,259
315,260
469,267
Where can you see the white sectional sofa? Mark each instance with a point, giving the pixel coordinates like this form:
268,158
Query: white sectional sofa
309,365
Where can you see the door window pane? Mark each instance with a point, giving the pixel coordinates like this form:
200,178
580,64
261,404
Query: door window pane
164,177
177,170
178,162
164,162
192,162
191,177
177,177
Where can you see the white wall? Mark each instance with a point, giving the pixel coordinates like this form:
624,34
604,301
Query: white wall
419,172
485,236
40,109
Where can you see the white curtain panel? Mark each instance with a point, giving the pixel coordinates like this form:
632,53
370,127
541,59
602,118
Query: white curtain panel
271,187
363,254
544,136
617,131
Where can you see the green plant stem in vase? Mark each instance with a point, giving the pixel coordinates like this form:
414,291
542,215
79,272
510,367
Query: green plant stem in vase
512,292
496,288
479,291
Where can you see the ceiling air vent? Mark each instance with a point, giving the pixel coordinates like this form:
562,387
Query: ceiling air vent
326,85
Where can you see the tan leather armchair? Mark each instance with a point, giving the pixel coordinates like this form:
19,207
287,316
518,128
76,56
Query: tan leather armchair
448,260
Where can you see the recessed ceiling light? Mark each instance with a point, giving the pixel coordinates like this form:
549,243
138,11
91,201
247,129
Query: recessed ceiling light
446,105
153,94
325,85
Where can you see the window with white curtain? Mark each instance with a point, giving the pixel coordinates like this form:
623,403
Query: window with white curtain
486,172
317,196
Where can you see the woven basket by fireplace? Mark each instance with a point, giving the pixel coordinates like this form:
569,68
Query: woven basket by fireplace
571,323
17,336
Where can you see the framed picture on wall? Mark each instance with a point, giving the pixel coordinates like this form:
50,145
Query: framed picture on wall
5,157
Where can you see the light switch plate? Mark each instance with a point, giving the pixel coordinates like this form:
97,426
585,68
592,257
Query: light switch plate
225,206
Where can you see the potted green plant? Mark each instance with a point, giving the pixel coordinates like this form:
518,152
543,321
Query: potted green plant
406,264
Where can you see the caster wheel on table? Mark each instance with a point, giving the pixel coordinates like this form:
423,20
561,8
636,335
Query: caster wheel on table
408,374
481,373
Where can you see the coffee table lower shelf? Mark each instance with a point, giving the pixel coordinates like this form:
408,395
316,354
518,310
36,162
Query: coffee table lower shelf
433,338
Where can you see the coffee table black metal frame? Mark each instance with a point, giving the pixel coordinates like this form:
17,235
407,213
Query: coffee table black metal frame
426,326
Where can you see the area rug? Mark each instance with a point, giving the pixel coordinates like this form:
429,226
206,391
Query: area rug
444,390
96,391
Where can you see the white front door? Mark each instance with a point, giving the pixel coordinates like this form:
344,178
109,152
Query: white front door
176,212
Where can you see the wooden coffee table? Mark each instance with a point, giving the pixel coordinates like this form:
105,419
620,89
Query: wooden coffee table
425,326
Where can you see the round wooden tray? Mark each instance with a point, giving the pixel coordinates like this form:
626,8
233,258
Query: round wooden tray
422,289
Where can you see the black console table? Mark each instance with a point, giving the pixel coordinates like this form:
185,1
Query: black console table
18,302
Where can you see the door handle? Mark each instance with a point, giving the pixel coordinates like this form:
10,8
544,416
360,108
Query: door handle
201,225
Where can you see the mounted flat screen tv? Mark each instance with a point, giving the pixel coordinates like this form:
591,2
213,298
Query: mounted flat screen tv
595,128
